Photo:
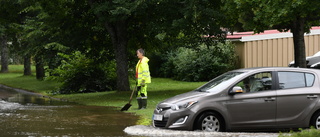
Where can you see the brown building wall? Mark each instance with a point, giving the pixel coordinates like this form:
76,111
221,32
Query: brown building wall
272,52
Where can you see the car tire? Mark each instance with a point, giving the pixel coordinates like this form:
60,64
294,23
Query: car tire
210,122
315,121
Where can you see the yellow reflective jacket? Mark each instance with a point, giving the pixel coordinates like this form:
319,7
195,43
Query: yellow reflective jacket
142,68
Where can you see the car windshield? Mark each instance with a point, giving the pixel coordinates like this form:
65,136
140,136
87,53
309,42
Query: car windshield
216,81
317,54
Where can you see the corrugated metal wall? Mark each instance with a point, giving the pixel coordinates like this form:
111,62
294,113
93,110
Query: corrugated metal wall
272,52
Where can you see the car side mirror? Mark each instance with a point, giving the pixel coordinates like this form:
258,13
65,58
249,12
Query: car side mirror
236,90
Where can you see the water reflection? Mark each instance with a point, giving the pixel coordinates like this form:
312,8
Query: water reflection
29,115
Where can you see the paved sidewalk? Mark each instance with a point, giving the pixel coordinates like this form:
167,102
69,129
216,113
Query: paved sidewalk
141,130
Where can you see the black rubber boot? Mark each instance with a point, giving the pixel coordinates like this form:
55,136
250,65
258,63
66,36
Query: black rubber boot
139,103
144,103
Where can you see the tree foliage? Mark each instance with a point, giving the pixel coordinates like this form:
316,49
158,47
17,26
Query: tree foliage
9,14
285,15
144,23
107,31
80,74
200,64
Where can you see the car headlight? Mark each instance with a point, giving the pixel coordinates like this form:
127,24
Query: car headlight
183,105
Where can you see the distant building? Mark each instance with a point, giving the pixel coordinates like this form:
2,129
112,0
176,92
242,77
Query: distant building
271,48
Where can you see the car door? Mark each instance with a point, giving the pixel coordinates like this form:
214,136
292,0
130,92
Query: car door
253,108
296,97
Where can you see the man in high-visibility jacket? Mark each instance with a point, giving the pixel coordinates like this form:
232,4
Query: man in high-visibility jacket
143,78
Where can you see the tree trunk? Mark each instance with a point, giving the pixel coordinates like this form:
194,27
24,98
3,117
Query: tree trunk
298,41
40,73
27,65
118,33
4,55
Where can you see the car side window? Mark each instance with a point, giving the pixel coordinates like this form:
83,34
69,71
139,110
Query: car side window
309,79
295,80
257,82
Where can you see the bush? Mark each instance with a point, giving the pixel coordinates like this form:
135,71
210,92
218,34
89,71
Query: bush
81,74
312,132
201,64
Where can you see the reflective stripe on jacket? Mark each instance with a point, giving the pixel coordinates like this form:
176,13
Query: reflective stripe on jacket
143,71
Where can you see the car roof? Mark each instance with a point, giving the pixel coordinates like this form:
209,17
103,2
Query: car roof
277,69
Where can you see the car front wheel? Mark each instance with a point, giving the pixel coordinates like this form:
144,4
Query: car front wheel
315,121
211,122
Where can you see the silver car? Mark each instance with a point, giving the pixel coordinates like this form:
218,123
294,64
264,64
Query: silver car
246,99
311,60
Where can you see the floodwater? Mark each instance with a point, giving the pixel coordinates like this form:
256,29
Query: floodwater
23,114
26,115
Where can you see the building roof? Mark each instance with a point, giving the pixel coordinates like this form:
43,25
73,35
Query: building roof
267,34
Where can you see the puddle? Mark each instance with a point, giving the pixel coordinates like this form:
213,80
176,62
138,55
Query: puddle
31,115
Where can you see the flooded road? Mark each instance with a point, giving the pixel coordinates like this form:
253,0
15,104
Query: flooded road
30,115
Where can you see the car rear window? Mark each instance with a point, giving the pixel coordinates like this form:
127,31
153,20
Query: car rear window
295,79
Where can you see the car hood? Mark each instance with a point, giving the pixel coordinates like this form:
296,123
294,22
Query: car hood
189,96
308,59
315,65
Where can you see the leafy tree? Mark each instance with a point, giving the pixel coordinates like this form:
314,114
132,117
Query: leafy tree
296,16
115,15
9,13
25,32
33,36
59,26
141,22
128,23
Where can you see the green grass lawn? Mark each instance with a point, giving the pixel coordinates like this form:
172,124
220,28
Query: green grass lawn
16,79
158,90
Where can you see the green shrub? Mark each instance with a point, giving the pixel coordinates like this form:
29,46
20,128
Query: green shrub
303,133
201,64
81,74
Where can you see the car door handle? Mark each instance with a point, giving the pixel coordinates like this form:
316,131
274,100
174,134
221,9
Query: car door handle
312,96
269,99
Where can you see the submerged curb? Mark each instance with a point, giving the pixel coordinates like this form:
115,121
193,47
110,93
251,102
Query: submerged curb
140,130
